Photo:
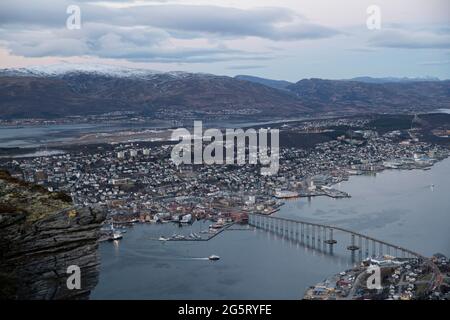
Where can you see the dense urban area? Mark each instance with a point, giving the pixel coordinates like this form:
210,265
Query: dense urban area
137,182
402,279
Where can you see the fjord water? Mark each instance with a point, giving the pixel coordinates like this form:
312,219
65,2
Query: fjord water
401,207
39,135
406,208
31,136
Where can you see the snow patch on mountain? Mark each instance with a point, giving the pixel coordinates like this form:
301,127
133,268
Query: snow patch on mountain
57,70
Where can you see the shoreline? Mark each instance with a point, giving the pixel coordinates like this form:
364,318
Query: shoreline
328,192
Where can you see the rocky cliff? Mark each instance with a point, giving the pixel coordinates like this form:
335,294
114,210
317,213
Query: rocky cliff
41,235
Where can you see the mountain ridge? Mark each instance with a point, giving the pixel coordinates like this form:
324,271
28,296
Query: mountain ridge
277,84
69,90
82,93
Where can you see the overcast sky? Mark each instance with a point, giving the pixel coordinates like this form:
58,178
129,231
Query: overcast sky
280,39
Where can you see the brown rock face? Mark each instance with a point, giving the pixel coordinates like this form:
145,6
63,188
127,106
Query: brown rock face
35,253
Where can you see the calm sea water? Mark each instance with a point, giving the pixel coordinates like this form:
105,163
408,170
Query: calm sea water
34,136
401,207
39,135
408,208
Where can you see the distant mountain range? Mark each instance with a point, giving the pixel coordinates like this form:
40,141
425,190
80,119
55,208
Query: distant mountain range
277,84
393,79
389,97
282,84
66,90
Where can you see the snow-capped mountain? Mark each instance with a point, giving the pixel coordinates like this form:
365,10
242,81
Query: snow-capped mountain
70,89
57,70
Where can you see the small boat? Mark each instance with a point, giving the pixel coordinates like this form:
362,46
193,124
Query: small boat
213,257
286,194
163,238
116,236
194,235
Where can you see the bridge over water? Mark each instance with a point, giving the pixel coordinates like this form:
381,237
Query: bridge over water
322,236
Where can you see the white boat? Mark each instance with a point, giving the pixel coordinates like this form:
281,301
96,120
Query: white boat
115,235
163,238
213,257
186,218
286,194
194,235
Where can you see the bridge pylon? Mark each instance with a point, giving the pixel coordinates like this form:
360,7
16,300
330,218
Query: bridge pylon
353,246
330,241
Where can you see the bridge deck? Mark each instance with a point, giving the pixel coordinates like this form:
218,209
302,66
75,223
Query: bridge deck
339,229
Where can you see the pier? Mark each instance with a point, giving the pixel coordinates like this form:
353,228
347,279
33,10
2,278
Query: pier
322,236
210,236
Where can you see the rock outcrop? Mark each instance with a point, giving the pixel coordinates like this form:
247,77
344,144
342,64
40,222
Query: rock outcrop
41,235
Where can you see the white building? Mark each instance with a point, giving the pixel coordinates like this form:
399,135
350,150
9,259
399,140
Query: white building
133,153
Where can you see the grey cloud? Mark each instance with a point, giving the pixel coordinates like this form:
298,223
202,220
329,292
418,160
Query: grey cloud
45,13
212,20
362,50
245,67
143,44
91,39
435,63
302,30
412,39
179,19
144,33
154,54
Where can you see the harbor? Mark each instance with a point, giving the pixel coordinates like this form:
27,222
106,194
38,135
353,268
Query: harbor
247,257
